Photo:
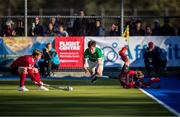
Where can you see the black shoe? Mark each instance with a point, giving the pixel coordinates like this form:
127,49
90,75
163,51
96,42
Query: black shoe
94,79
47,75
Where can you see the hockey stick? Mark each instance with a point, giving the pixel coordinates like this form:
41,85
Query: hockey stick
65,88
95,77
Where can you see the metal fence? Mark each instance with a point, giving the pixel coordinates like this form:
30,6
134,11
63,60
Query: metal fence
106,21
107,16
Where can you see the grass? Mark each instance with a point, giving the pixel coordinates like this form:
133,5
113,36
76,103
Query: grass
105,98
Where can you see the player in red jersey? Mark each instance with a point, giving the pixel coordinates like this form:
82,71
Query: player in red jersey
25,65
134,79
124,58
130,78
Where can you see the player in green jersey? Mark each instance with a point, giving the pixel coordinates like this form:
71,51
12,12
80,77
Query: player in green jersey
93,61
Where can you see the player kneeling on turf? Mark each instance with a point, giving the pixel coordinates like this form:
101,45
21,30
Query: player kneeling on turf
25,65
93,61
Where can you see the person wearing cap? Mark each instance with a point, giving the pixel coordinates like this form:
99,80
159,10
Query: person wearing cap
155,57
9,31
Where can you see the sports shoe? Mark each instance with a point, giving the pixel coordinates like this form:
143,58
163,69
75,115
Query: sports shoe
42,88
23,89
52,74
94,78
157,79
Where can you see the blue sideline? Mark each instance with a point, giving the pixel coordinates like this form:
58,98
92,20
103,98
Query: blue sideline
169,93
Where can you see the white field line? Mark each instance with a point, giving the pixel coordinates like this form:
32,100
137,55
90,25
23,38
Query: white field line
160,102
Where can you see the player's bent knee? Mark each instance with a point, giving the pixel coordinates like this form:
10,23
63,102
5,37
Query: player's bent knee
35,70
100,72
22,70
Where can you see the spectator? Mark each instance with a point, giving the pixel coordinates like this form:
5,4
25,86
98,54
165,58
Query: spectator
156,29
91,27
99,29
9,31
50,31
59,21
37,29
49,61
138,30
20,28
80,25
156,57
114,30
62,32
55,24
166,29
148,31
129,22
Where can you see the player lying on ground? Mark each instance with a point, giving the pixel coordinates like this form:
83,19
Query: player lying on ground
24,66
129,78
93,61
135,79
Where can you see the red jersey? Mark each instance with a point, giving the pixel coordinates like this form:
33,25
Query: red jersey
24,61
122,54
128,74
127,79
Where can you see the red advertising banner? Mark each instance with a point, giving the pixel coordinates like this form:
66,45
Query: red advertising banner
70,51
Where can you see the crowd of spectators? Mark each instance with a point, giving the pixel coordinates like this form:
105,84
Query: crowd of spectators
87,27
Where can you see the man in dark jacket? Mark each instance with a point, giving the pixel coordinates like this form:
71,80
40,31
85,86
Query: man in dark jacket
155,57
80,25
37,28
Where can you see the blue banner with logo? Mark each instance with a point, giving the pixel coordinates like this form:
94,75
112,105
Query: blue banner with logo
12,47
137,45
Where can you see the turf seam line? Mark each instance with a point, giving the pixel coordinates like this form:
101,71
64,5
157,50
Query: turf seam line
160,102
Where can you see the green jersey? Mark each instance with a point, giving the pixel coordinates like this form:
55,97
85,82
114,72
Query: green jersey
93,57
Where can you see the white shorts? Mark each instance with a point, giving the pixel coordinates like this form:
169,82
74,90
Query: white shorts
93,65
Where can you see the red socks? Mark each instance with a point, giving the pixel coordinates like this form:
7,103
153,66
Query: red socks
35,77
22,79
